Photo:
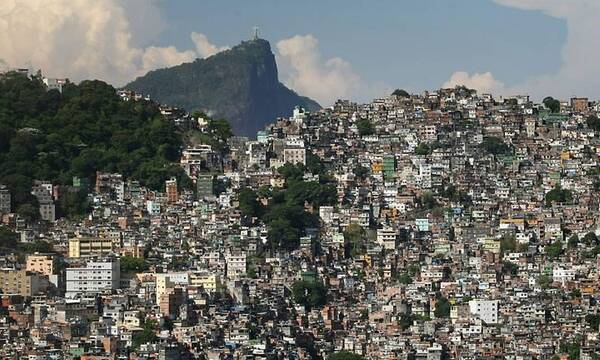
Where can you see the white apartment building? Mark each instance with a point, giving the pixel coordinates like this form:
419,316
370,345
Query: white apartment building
96,276
486,310
236,265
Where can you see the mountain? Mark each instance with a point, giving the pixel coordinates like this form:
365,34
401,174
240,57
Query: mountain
240,85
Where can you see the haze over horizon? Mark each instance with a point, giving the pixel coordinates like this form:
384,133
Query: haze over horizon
539,47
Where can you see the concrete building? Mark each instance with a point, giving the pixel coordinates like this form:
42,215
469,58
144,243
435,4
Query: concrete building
4,200
210,282
83,246
96,276
236,265
171,190
164,282
19,282
387,237
486,310
44,264
204,186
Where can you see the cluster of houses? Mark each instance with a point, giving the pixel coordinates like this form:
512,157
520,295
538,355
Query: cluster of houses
463,226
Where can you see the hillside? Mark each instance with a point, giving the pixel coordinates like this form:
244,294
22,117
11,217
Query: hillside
48,135
240,85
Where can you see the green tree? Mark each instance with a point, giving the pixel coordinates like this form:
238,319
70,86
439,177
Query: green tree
354,236
405,279
558,195
282,234
552,104
73,204
8,238
508,243
147,335
573,348
133,264
593,321
573,241
495,146
442,308
428,200
40,246
29,212
401,93
510,268
361,172
544,281
591,239
311,294
365,127
249,205
555,249
422,149
593,122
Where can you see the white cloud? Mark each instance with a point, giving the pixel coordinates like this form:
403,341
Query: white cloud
578,74
483,83
83,39
305,71
160,57
204,47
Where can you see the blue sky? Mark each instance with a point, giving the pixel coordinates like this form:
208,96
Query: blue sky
409,44
326,49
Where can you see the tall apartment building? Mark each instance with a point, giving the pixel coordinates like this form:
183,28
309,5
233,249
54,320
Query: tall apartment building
42,190
171,190
167,281
294,154
4,200
82,246
96,276
204,186
235,265
19,282
486,310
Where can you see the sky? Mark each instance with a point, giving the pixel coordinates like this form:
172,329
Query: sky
325,49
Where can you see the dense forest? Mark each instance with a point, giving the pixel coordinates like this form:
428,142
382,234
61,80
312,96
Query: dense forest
49,135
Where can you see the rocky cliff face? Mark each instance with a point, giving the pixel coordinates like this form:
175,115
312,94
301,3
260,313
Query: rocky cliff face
240,85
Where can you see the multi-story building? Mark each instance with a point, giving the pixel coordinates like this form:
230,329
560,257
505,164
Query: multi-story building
95,276
44,264
19,282
236,265
171,190
209,281
82,246
486,310
204,186
5,199
166,281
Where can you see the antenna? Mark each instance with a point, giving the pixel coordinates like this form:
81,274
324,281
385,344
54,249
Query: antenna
255,33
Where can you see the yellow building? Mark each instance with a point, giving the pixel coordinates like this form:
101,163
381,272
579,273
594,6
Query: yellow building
210,282
82,246
19,282
44,264
492,245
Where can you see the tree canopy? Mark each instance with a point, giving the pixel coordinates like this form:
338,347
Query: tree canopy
552,104
558,195
48,135
311,294
365,127
401,93
495,146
